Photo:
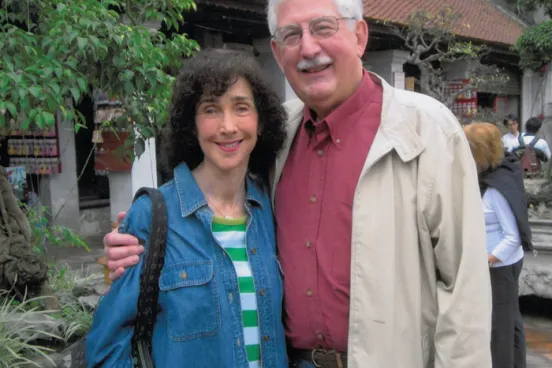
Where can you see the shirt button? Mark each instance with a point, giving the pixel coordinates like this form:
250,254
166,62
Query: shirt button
338,141
266,338
320,153
313,199
308,244
320,336
183,275
253,251
261,292
309,292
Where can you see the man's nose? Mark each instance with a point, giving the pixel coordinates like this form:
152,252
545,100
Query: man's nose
309,45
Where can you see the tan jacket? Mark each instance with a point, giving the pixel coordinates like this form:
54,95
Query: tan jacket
420,287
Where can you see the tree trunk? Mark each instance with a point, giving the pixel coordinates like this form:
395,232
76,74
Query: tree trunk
21,269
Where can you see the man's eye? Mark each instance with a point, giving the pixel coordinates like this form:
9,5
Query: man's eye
210,110
290,35
323,27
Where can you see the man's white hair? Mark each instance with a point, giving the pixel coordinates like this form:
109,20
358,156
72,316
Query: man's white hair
346,8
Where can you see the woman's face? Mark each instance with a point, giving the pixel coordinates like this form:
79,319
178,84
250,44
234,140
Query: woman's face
227,127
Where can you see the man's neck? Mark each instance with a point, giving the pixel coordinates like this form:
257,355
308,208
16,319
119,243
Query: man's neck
322,111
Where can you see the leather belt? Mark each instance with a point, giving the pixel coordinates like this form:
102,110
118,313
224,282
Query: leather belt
321,358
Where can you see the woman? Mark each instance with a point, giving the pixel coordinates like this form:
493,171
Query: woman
220,288
508,233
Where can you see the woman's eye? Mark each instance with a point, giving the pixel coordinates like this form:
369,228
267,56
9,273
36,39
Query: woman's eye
210,110
243,108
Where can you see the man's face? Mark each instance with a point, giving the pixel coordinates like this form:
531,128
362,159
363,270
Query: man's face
323,71
513,126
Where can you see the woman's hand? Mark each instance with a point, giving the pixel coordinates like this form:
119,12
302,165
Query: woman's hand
492,260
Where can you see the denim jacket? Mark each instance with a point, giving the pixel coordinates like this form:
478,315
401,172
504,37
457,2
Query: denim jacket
199,323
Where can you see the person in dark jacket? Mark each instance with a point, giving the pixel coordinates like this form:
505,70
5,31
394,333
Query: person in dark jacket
508,235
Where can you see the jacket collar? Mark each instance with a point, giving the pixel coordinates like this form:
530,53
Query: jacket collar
191,197
396,131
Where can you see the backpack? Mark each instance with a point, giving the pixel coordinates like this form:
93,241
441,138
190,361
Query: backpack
529,160
149,287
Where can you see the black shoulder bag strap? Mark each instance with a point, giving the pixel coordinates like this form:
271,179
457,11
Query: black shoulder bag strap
521,141
149,280
149,287
534,141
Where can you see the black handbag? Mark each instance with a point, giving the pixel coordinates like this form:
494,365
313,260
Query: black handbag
149,287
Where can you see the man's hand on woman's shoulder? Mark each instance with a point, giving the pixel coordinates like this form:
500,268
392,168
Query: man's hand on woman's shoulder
122,251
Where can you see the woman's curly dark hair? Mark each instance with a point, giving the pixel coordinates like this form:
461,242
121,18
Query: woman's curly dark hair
212,72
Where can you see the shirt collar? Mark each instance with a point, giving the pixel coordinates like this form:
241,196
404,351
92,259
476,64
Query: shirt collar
191,197
338,119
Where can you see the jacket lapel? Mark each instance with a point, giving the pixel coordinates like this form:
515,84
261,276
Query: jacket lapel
294,109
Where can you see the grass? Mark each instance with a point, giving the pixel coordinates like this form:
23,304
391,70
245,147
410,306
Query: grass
18,327
22,322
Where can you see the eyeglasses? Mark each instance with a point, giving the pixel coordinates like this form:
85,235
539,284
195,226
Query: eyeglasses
322,27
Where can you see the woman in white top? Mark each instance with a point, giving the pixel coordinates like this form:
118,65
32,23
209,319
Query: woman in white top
508,235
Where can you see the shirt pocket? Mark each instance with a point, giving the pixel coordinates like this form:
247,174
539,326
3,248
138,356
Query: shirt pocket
193,307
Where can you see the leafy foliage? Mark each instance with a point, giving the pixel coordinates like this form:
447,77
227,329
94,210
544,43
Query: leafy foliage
535,44
532,5
433,45
43,232
54,52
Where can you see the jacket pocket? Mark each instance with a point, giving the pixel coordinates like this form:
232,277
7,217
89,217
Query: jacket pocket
193,307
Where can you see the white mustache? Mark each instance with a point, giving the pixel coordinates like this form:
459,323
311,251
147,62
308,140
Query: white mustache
304,64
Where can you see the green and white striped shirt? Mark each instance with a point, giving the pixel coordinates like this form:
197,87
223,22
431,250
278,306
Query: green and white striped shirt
231,236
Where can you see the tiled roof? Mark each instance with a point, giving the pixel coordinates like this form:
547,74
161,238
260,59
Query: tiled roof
256,6
486,21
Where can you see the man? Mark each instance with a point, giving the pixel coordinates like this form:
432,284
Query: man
379,218
510,140
532,127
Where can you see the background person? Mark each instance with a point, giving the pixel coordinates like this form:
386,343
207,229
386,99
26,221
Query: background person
507,229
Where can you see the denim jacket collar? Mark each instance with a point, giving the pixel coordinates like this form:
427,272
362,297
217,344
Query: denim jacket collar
191,197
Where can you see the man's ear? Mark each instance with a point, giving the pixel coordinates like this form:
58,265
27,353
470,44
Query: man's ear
361,32
276,52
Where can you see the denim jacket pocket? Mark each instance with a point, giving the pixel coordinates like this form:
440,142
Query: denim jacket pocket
193,308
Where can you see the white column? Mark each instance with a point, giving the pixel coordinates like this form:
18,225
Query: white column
527,96
144,168
548,92
272,70
60,191
388,64
120,192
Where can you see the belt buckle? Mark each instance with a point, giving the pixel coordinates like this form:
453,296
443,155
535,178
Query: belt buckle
338,357
314,351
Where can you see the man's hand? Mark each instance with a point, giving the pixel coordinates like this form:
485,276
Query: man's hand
122,251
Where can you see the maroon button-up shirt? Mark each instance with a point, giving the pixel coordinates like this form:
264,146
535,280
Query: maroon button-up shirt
313,208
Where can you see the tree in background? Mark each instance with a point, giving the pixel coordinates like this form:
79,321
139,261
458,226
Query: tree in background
55,51
535,44
433,45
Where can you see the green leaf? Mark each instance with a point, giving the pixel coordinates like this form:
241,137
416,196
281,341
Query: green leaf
79,126
4,81
76,94
55,88
35,91
140,147
82,84
39,120
48,118
81,43
11,108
